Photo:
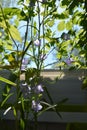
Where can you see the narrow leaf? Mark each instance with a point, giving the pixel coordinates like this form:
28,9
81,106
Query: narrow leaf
4,101
7,81
7,110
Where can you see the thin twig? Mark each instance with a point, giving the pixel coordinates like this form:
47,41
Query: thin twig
51,64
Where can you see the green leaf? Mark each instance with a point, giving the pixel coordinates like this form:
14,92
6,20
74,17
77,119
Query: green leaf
84,84
65,44
4,101
59,55
31,72
10,11
15,33
1,48
35,24
48,107
69,25
14,111
65,2
68,126
7,81
22,124
2,24
11,58
61,26
51,23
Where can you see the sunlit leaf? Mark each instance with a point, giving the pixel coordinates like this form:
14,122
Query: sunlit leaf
10,58
59,55
51,23
65,44
15,33
2,24
34,28
7,81
10,11
69,25
61,26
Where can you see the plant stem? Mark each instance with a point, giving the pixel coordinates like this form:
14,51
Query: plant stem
36,122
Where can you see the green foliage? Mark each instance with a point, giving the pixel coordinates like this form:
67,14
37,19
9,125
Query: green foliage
5,100
61,26
69,25
84,85
7,81
15,33
28,31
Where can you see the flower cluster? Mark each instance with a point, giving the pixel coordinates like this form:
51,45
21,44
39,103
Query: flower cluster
25,89
36,106
69,61
29,92
37,43
24,64
38,89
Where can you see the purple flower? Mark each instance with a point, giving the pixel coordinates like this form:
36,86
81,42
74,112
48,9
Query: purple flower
25,61
36,106
38,89
69,61
37,42
25,89
24,64
66,36
23,67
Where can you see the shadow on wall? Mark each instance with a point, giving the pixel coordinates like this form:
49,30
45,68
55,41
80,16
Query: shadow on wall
60,85
67,86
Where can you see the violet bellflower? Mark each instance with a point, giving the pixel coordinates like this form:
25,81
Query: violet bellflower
25,61
24,64
23,67
26,90
36,106
69,61
37,42
38,89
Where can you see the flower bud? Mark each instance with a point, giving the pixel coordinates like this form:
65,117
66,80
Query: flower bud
37,42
